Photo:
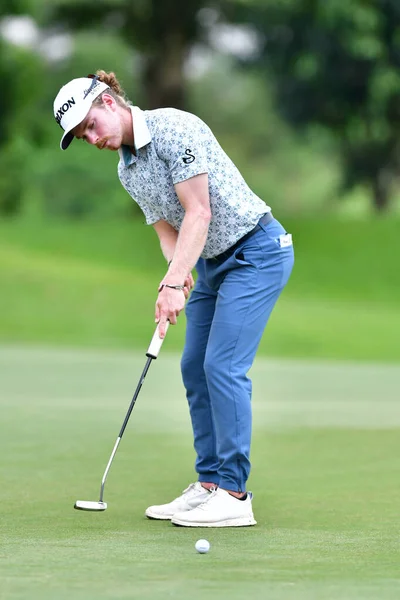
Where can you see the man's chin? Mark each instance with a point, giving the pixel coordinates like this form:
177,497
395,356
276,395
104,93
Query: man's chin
109,146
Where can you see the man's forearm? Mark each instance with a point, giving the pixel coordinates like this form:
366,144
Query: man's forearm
168,245
189,246
167,236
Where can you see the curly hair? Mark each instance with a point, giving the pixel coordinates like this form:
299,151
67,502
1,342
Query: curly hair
115,89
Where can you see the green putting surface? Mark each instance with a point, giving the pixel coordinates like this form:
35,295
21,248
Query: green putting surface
325,480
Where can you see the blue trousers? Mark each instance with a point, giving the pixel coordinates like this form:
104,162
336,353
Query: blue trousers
226,315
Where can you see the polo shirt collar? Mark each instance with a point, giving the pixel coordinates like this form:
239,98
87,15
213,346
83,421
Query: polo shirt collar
141,135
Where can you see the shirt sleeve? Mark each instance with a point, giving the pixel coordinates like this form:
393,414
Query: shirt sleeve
181,144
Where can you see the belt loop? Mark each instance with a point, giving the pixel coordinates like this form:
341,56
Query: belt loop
267,218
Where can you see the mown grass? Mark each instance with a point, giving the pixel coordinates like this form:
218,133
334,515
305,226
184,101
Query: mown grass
94,284
325,482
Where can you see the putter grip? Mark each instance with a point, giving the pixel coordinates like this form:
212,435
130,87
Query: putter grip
156,343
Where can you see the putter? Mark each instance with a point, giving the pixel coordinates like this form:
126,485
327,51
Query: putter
152,353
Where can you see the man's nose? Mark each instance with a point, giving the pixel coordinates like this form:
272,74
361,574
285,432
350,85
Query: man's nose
92,138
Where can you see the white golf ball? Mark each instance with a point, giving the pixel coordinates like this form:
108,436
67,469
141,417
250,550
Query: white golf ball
202,546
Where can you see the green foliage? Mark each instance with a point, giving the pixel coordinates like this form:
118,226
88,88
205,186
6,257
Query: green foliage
12,186
162,31
295,175
336,64
330,66
20,125
77,187
35,175
19,97
14,7
146,20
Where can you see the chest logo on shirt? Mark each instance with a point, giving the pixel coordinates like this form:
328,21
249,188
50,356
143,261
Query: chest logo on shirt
189,158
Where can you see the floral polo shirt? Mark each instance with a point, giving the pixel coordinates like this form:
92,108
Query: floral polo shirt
173,146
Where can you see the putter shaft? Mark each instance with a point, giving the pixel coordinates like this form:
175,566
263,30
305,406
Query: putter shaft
152,353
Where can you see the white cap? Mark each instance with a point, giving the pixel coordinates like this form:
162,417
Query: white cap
73,103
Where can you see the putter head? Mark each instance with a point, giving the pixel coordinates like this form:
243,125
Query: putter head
88,505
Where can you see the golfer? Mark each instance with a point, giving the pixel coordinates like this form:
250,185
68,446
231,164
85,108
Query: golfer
207,218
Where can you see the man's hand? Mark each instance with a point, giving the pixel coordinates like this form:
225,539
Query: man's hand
169,304
189,283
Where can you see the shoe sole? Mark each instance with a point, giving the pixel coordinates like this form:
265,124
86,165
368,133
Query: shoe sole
156,517
243,522
153,515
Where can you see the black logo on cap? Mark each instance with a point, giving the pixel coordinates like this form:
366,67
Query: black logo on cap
63,109
189,158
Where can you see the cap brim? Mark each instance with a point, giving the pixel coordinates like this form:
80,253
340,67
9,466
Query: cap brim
68,136
66,140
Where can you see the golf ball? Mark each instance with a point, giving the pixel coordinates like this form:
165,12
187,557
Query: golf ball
202,546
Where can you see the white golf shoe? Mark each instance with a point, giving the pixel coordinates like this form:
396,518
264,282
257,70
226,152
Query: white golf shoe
194,495
220,509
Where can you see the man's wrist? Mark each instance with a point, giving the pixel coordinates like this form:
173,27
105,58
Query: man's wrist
173,287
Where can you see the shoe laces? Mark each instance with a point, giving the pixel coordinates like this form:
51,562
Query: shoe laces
213,491
190,490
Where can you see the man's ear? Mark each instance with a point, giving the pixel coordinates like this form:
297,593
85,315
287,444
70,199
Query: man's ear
108,100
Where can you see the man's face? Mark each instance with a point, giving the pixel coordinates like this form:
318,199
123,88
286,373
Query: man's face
102,128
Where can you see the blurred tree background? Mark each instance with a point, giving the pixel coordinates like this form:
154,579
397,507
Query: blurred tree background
303,94
304,97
